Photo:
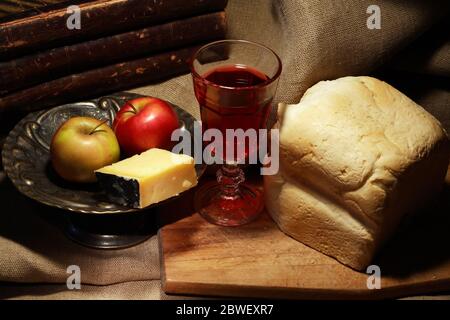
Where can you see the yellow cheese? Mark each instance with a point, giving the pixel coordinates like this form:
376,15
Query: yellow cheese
153,176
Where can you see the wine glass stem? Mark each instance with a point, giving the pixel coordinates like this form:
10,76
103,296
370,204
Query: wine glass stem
229,177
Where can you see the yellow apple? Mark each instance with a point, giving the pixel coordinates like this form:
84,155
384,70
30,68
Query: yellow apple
82,145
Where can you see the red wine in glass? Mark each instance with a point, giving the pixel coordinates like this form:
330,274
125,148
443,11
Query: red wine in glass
242,110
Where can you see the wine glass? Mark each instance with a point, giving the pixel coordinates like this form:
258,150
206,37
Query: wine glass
234,83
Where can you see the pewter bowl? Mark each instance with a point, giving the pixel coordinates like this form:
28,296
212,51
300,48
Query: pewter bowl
26,157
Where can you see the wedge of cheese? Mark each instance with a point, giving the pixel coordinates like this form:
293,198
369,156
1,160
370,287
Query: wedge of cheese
153,176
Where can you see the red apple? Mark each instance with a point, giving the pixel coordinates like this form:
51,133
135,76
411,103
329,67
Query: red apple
145,123
82,145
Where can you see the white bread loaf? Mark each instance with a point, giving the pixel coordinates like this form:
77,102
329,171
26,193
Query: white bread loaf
356,155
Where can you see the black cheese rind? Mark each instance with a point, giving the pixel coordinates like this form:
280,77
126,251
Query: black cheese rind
120,190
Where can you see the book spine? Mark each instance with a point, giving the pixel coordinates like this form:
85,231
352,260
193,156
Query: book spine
112,78
16,9
47,65
97,19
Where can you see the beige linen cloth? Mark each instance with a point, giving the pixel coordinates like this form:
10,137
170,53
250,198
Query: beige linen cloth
316,40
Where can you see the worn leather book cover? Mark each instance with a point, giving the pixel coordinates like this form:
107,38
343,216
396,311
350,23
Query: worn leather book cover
100,18
47,65
96,82
11,10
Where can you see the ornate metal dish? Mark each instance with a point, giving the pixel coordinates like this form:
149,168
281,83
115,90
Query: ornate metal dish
26,158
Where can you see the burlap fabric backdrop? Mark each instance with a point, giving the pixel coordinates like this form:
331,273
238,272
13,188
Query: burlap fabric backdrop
317,40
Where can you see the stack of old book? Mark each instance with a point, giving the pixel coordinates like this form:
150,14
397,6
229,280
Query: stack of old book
52,51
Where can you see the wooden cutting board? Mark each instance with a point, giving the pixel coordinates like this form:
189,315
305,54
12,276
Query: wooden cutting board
258,260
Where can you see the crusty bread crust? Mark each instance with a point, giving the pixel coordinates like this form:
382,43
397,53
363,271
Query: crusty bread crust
356,155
